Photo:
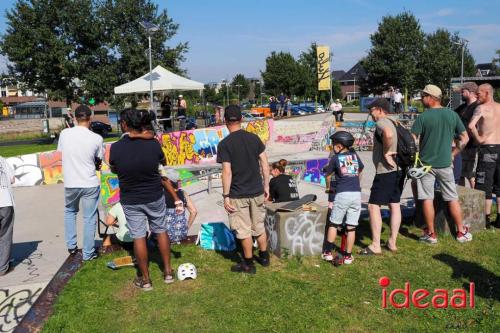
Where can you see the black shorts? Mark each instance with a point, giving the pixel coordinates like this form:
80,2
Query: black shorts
469,162
385,188
488,170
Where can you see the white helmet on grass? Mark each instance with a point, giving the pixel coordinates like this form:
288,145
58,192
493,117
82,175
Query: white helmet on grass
186,271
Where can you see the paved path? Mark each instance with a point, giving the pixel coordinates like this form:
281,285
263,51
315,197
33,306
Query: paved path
39,247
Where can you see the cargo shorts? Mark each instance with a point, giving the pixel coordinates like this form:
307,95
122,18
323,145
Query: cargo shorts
248,219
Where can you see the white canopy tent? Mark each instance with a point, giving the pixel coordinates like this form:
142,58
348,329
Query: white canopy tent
162,80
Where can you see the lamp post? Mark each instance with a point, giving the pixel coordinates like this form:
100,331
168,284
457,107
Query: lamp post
238,86
354,88
150,29
463,42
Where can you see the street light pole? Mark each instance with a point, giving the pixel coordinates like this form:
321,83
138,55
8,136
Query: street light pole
463,43
150,76
150,29
238,86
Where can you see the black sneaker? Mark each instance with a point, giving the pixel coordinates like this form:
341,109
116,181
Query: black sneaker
243,268
263,260
94,255
73,251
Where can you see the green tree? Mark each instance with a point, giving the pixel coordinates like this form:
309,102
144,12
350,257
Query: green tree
442,58
395,56
244,86
282,74
75,48
336,90
495,63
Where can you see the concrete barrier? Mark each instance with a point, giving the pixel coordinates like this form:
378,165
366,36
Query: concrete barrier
472,204
296,233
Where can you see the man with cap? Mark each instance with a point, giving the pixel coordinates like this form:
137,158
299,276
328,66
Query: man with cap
435,131
245,183
336,108
465,111
386,184
82,153
484,126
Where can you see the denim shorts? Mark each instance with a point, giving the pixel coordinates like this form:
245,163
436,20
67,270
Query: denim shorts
348,205
139,216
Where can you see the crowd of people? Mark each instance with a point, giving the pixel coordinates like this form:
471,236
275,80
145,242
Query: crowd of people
153,206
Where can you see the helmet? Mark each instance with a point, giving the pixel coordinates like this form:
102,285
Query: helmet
344,138
418,172
186,271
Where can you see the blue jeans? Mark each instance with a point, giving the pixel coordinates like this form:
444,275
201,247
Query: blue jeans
90,199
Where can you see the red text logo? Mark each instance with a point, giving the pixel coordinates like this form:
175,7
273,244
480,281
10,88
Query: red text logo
423,298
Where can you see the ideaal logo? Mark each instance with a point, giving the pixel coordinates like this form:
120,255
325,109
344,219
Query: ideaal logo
423,298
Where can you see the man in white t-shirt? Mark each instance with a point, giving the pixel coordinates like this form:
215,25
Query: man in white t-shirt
6,215
336,108
82,154
398,97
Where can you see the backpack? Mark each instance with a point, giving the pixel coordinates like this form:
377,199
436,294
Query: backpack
216,236
407,148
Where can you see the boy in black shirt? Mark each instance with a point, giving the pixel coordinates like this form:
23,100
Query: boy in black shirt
347,167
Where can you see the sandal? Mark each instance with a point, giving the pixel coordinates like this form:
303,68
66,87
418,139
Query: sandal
168,278
388,248
368,252
145,285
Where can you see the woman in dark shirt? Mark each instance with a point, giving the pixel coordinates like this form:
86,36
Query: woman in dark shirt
136,160
282,187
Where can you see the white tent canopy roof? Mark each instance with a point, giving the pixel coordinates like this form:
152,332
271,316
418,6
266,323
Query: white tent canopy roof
162,80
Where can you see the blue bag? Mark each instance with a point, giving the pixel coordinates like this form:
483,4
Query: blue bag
216,236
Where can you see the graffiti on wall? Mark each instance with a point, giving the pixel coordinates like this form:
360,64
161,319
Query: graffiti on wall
200,146
313,171
187,147
51,165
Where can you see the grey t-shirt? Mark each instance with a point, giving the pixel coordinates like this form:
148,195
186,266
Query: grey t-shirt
378,147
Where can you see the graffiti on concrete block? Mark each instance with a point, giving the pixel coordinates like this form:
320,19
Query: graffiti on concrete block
272,233
304,233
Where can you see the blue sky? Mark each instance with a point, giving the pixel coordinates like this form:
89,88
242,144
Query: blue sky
229,37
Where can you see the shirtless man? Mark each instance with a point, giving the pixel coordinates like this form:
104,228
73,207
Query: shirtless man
485,129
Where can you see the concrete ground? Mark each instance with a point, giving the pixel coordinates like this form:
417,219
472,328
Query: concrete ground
39,247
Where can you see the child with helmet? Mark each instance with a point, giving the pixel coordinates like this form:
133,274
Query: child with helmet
346,167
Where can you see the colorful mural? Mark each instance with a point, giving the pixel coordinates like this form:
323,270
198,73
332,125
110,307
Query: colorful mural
51,165
313,171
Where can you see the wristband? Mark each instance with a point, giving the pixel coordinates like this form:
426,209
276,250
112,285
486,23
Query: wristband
225,196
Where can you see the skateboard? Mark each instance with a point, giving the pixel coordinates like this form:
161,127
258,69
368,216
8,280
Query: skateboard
295,205
116,263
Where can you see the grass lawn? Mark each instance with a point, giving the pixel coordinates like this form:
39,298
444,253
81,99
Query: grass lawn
16,150
295,294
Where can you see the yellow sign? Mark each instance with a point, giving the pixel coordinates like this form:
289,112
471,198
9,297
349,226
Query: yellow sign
323,53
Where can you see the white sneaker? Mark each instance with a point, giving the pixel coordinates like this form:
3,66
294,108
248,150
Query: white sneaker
428,237
464,236
328,256
348,260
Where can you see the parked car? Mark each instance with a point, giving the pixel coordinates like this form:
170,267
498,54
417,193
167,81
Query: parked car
100,128
297,111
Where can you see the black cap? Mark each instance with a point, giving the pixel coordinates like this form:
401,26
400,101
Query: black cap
83,111
380,103
232,113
